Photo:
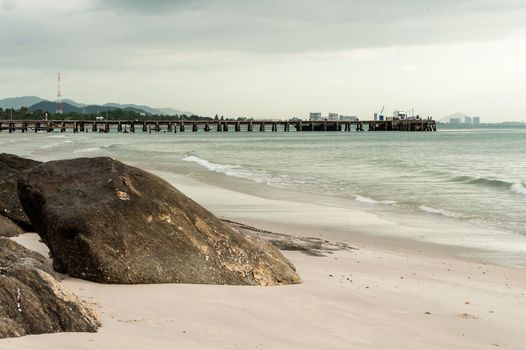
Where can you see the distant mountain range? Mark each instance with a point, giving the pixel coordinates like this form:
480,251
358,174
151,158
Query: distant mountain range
50,107
34,103
18,102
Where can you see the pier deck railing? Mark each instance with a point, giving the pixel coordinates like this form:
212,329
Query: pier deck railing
132,126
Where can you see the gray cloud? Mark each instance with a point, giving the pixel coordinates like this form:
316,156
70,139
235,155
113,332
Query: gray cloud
295,25
7,5
117,34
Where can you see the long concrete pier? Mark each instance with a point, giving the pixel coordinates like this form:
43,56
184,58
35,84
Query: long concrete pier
131,126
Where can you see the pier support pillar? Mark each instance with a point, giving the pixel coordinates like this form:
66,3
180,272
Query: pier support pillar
238,127
144,127
194,127
181,127
169,127
262,127
219,127
287,127
119,126
157,127
207,127
225,126
94,127
249,127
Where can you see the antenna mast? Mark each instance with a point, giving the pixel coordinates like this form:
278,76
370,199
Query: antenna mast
59,109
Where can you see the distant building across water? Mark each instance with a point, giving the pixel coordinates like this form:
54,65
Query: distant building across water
333,116
316,116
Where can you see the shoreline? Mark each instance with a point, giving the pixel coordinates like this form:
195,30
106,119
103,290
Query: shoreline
336,216
354,225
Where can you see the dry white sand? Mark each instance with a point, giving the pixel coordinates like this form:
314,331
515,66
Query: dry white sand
365,299
389,294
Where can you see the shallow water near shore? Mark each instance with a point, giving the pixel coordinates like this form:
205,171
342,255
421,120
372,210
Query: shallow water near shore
455,187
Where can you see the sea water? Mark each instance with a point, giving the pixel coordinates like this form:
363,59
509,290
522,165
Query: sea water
475,176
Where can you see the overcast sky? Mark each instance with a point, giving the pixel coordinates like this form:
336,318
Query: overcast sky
271,58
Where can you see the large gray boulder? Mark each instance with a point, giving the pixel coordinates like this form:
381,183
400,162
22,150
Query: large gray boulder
10,207
108,222
33,301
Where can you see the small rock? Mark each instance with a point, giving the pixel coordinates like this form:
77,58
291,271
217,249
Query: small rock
32,299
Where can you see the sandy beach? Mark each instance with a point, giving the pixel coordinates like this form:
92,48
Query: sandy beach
387,293
284,175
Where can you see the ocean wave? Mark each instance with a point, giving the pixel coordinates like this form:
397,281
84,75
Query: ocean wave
87,150
436,211
49,146
372,201
258,176
482,181
518,188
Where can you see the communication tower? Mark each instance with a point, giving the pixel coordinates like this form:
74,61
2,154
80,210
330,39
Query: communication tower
59,109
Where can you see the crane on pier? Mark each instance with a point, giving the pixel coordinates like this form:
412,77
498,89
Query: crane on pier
379,116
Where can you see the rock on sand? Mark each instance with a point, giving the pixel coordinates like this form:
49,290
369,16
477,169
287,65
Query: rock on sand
108,222
32,300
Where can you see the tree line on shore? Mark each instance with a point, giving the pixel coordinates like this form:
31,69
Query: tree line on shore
111,114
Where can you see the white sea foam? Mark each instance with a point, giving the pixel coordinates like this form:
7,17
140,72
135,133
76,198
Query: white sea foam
372,201
220,168
49,146
442,212
258,176
518,188
87,150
